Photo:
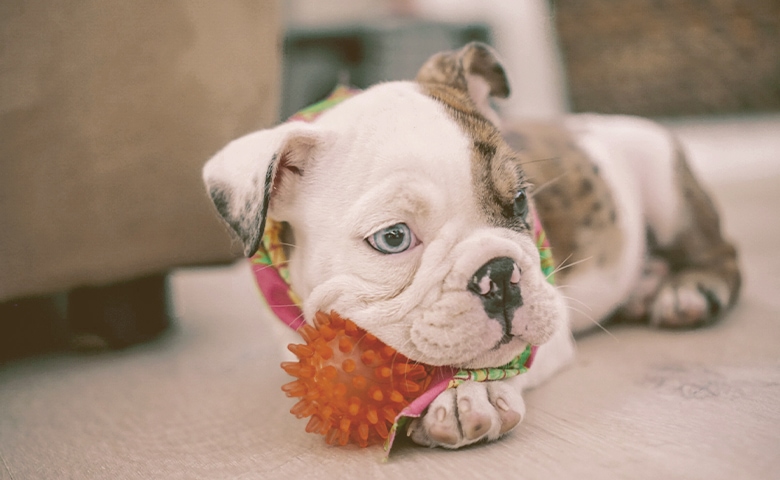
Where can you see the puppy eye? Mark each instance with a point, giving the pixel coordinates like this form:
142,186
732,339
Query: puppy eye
393,239
521,204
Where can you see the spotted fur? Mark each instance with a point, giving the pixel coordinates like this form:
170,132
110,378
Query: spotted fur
638,234
574,201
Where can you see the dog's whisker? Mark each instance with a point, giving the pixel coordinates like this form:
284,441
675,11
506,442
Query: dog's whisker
569,285
559,266
414,363
587,289
539,160
295,320
565,259
395,357
361,338
593,321
578,301
546,184
564,267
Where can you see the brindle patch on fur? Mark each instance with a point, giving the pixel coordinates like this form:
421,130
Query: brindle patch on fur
444,69
495,168
573,201
700,246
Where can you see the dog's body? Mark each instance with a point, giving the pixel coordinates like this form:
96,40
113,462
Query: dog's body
410,213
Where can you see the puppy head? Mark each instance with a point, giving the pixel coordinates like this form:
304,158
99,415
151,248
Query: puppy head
408,212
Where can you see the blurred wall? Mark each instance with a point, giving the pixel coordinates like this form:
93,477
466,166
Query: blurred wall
525,38
108,111
671,57
521,30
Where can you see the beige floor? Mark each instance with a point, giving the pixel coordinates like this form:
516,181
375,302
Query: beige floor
204,400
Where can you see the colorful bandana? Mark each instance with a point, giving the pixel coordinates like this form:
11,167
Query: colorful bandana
272,275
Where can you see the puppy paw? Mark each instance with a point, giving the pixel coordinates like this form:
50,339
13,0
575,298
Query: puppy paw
689,299
472,412
637,306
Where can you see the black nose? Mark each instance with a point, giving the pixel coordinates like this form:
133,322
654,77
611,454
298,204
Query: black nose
497,284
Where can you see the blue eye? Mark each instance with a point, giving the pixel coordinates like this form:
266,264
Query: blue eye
393,239
521,204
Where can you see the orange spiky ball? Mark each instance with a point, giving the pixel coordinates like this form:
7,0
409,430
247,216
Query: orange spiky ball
350,383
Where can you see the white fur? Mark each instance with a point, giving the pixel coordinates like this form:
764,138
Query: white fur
645,154
396,156
393,155
636,158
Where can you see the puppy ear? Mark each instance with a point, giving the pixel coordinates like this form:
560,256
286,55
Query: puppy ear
256,170
474,69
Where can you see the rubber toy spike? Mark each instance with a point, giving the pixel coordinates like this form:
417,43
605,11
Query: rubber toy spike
349,383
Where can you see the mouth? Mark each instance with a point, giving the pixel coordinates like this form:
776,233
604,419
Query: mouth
506,323
503,341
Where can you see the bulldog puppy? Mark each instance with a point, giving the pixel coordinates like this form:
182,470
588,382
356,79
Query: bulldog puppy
408,210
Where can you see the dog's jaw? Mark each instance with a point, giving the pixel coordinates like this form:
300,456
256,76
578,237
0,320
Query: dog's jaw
398,154
435,319
414,164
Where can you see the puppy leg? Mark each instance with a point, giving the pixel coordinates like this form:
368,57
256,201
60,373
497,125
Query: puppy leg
470,413
639,302
485,411
684,233
705,277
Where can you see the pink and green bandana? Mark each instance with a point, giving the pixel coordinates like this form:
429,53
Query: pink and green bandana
272,275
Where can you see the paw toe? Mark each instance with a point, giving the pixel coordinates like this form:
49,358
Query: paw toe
443,428
688,302
473,423
470,413
509,418
443,434
439,425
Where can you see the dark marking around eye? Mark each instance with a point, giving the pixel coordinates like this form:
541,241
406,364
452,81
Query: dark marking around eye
520,208
507,209
485,149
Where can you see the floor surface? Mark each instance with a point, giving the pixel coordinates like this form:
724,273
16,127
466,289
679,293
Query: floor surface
203,401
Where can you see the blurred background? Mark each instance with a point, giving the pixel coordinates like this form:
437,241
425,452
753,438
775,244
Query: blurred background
108,110
644,57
